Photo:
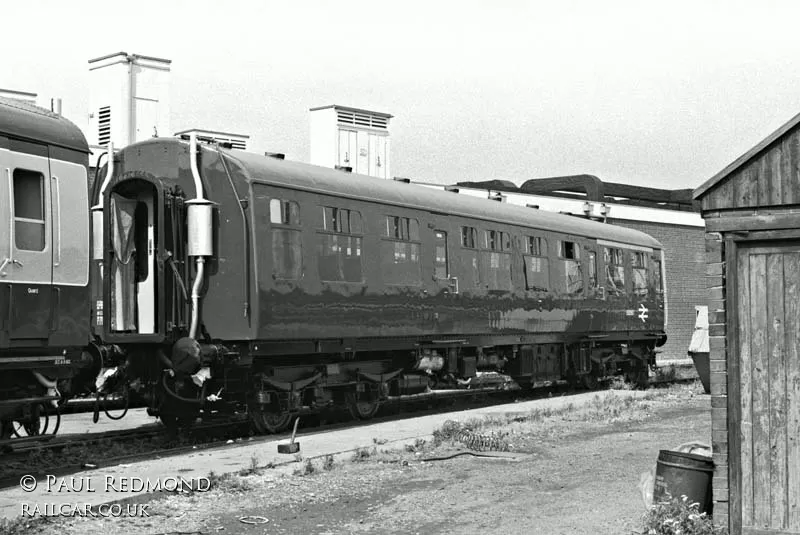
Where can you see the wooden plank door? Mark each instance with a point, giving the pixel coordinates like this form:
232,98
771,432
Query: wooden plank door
768,330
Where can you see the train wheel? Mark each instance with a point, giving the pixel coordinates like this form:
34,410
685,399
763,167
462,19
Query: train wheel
639,378
362,409
266,421
590,382
34,426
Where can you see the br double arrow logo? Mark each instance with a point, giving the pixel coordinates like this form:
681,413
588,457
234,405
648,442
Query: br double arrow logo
642,312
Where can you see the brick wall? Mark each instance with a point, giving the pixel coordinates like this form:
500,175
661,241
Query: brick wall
716,295
684,255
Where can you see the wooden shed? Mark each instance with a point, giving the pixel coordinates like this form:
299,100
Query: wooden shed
752,214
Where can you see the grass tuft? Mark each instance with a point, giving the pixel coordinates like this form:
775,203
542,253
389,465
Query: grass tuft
679,516
229,483
327,463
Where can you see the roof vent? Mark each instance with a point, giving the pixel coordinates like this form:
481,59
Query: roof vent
362,118
451,188
345,168
104,126
223,139
276,155
401,179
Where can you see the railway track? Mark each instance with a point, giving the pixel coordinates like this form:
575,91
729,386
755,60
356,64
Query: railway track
66,454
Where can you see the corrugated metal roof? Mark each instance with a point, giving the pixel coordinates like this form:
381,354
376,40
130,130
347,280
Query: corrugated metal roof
747,156
25,121
323,180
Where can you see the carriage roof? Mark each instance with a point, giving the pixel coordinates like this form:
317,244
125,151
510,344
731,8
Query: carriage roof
323,180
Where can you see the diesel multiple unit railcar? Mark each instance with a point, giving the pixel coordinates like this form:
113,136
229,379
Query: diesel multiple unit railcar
216,280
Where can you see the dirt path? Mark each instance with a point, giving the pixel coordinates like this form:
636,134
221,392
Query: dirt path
579,475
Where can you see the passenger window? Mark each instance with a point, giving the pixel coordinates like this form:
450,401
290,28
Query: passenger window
568,250
493,240
615,270
29,222
656,273
495,264
639,272
537,265
338,252
399,256
573,276
441,270
468,235
592,270
401,228
284,212
287,245
536,246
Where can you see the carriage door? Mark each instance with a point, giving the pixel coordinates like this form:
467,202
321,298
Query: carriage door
26,261
767,349
133,268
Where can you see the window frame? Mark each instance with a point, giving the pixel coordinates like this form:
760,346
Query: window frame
355,240
472,234
408,230
42,206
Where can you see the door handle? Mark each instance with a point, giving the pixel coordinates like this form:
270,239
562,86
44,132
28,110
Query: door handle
6,262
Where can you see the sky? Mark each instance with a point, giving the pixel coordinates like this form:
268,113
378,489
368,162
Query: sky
659,94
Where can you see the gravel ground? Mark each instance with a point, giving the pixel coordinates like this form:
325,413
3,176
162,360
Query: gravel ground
573,472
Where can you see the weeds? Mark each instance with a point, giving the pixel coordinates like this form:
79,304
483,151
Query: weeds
228,483
417,446
309,468
20,526
379,441
619,383
362,454
679,517
666,374
327,463
467,434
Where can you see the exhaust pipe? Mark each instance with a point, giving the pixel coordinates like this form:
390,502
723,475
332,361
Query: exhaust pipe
200,213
